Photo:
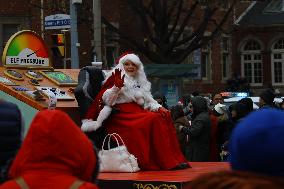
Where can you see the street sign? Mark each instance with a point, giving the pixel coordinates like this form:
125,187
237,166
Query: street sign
57,21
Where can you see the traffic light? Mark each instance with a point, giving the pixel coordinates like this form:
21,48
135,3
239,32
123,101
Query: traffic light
58,45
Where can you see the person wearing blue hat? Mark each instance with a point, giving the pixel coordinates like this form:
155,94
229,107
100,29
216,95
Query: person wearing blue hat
256,144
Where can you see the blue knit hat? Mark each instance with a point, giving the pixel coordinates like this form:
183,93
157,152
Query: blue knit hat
257,143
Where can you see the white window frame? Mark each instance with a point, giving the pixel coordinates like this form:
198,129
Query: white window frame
274,60
252,62
207,52
226,52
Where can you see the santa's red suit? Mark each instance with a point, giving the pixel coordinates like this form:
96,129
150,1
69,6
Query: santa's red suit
149,135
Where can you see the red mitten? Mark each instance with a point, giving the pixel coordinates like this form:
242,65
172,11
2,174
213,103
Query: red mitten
163,111
118,80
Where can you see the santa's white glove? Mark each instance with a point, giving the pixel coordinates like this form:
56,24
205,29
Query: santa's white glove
89,125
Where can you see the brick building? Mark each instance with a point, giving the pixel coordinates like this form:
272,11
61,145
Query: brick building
259,45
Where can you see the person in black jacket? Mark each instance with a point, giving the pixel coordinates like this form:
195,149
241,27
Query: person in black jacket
161,99
11,134
199,131
266,99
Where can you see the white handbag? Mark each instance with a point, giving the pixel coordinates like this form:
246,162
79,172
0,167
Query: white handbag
117,159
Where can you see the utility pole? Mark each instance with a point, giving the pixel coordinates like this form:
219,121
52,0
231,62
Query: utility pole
97,31
42,19
74,34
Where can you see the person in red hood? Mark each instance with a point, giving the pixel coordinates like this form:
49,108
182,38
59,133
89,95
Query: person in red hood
55,154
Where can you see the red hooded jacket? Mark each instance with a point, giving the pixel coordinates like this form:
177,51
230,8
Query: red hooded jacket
54,154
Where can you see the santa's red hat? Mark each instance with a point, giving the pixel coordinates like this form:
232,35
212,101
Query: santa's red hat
128,56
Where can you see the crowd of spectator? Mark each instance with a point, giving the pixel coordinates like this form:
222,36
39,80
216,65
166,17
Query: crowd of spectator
251,141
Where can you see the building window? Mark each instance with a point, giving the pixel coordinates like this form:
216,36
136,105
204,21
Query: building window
189,59
226,58
252,45
252,62
275,6
205,62
111,55
187,32
7,31
277,61
225,5
203,2
184,35
111,46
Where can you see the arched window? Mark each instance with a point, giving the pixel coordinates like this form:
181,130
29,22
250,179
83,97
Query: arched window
277,60
225,57
252,62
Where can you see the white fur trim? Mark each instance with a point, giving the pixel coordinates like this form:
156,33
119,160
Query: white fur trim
152,104
103,115
132,57
90,125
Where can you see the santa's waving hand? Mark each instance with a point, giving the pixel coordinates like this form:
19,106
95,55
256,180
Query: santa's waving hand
118,80
90,125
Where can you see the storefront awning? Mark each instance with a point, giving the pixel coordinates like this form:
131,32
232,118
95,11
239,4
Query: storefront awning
172,70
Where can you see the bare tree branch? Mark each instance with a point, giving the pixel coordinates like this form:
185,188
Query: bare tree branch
164,24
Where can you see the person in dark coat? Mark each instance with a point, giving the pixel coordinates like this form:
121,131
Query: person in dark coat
237,113
11,131
199,132
266,99
180,119
216,99
248,103
161,99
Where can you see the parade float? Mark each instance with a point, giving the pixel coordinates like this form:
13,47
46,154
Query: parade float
28,79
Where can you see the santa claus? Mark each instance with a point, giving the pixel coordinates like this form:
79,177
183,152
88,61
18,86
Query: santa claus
138,119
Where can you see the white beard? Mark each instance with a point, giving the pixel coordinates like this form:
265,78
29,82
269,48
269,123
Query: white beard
136,89
133,90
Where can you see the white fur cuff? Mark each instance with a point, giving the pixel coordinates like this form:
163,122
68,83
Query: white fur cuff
90,125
